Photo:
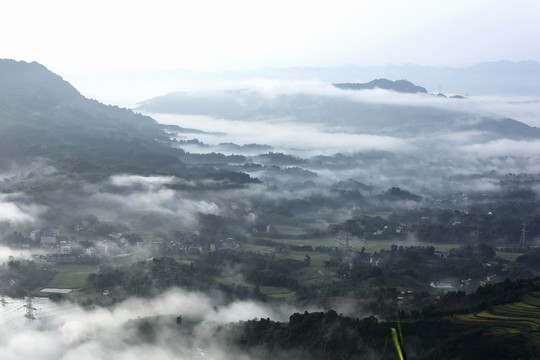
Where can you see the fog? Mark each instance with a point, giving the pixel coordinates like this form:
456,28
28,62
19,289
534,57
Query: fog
521,108
506,147
259,174
421,142
131,196
311,151
281,114
458,143
6,253
283,135
15,208
67,331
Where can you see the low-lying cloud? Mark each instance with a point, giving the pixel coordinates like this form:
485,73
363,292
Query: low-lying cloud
506,147
14,208
66,331
133,196
521,108
127,180
283,135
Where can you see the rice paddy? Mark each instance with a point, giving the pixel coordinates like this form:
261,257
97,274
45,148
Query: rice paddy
522,317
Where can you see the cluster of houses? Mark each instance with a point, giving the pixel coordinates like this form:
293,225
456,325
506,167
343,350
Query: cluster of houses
196,248
193,246
452,199
405,297
113,248
398,229
46,237
465,284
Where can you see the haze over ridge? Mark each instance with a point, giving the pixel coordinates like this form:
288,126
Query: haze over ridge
186,180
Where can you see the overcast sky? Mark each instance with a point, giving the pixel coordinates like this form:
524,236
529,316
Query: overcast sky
75,36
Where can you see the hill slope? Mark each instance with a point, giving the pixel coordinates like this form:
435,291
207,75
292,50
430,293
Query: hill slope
388,115
403,86
41,115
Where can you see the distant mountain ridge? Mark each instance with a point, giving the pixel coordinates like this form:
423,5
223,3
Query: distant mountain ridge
402,86
487,78
42,116
339,114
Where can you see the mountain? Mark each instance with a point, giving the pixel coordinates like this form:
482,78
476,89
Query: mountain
41,115
403,86
488,78
387,115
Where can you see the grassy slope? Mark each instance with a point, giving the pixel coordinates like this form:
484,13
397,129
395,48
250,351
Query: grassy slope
522,317
72,276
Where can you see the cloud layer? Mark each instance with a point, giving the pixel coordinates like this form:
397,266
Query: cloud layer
66,331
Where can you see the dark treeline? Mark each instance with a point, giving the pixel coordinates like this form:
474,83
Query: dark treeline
487,223
19,277
427,334
377,278
332,336
148,278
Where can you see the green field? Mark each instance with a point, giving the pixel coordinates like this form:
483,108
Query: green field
289,230
72,276
522,317
274,292
261,249
508,256
277,292
288,235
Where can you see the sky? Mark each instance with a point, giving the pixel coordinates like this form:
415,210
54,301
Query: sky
73,37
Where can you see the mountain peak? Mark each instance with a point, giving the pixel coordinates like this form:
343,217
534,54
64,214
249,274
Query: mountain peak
44,115
403,86
20,78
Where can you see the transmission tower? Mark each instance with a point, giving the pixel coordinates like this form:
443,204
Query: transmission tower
523,238
476,242
475,248
29,309
344,241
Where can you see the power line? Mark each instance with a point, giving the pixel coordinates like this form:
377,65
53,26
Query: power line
29,308
523,238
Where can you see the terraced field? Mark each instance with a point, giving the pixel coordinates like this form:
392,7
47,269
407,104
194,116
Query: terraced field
522,316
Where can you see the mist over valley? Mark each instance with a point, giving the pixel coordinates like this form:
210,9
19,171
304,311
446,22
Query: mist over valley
225,222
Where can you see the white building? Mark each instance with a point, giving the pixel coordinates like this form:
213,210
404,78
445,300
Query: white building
48,240
50,231
65,249
35,235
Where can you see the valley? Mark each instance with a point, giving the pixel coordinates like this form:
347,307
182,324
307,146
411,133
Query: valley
304,204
